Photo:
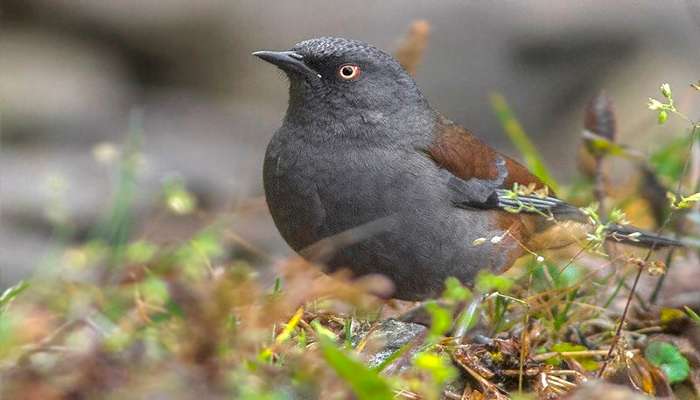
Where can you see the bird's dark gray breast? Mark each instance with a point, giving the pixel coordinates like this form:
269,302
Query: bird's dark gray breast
318,189
290,191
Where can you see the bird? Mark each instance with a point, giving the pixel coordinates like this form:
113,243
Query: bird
365,175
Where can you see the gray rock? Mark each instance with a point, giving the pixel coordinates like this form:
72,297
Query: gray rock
393,335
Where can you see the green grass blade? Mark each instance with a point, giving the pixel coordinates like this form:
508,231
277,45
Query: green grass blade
365,382
10,293
521,141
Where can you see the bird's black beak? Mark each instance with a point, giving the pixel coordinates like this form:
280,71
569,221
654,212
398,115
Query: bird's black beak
287,61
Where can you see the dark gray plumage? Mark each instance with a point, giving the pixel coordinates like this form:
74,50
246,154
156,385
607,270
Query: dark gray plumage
352,175
349,153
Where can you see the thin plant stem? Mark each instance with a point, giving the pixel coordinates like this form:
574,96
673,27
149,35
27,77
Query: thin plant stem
659,283
623,318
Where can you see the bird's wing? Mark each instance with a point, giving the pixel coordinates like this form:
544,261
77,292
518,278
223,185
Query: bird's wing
477,170
480,177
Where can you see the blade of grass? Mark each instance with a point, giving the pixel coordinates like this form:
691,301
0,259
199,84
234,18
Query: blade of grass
10,293
467,319
520,139
693,315
365,382
394,356
117,224
347,329
290,326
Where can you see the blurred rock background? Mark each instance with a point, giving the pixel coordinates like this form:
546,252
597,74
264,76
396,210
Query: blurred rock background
72,73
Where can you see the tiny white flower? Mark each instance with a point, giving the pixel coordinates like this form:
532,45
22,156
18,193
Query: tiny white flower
496,239
105,152
540,259
654,104
666,90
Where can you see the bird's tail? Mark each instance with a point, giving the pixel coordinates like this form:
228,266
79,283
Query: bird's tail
635,237
563,211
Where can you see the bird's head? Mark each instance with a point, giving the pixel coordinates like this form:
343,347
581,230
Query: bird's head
341,76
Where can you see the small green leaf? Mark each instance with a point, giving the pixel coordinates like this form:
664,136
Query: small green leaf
587,362
117,341
455,291
277,288
323,332
441,320
670,315
669,359
599,145
663,117
440,368
668,160
487,282
565,347
140,252
685,201
178,199
561,277
199,251
618,216
154,290
365,382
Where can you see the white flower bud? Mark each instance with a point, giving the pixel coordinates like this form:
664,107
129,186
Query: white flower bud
654,104
666,90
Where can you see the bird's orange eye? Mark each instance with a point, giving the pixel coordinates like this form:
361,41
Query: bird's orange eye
349,72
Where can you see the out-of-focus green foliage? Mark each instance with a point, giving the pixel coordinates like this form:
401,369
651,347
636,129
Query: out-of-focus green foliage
667,357
487,282
365,382
588,362
667,161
